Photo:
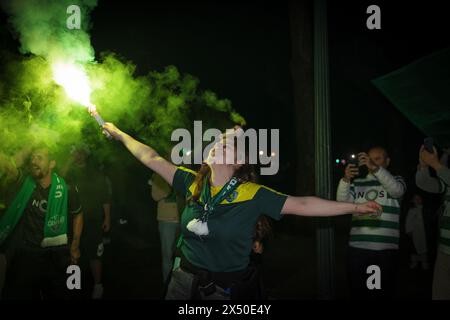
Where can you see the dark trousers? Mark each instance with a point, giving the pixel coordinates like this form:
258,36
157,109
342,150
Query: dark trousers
358,260
38,274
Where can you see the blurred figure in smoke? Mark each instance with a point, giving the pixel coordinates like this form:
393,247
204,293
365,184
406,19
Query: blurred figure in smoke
95,198
439,184
42,224
415,229
8,172
168,220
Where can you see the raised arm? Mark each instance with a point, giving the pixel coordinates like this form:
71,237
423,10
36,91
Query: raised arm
317,207
143,153
426,182
344,192
9,166
395,186
442,171
423,178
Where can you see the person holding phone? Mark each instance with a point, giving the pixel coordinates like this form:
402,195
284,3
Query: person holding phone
438,184
374,238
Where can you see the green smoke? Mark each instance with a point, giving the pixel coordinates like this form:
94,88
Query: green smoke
41,27
34,108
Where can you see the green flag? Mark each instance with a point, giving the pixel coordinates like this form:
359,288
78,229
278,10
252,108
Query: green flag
421,91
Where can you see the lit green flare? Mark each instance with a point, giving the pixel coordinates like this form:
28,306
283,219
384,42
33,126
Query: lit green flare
74,80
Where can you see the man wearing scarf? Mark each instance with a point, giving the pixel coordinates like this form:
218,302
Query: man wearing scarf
42,223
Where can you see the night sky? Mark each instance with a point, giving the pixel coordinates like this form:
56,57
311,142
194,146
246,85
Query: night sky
241,51
360,114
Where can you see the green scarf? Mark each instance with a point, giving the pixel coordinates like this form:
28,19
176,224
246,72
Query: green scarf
199,226
55,227
211,202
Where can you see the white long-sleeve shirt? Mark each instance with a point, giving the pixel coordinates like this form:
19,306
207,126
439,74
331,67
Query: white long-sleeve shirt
375,232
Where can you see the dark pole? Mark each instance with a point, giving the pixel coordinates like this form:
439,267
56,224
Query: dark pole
302,70
325,229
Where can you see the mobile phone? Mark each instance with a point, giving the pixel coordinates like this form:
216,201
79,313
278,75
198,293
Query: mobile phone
363,170
353,160
428,144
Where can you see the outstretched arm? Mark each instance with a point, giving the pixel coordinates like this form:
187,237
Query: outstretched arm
143,153
317,207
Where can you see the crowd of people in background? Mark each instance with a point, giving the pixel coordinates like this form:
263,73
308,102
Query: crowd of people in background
375,239
77,196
